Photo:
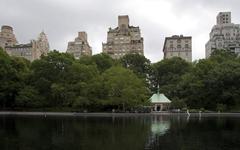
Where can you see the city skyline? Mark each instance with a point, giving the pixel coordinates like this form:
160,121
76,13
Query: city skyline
61,20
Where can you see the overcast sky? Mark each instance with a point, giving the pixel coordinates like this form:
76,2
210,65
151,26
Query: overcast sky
62,19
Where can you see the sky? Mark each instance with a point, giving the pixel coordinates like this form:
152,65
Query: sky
61,20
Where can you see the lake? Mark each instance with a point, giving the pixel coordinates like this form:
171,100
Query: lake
156,132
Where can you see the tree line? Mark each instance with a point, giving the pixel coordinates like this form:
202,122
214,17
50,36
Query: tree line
100,83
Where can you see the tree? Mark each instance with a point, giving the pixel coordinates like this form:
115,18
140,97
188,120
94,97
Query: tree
103,61
139,64
212,82
124,89
48,72
167,74
28,97
53,66
83,81
12,74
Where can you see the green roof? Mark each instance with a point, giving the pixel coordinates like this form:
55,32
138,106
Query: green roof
159,98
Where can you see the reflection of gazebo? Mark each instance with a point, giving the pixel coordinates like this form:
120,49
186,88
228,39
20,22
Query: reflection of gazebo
159,102
160,128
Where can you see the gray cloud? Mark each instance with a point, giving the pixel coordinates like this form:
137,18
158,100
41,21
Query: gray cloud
61,20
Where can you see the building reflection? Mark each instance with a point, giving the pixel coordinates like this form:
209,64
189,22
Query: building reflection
159,127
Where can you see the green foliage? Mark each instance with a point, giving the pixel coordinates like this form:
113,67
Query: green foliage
139,64
12,74
221,107
124,89
103,61
167,74
212,81
99,83
178,104
29,97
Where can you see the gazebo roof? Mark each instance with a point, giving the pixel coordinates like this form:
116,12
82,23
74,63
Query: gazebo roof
159,98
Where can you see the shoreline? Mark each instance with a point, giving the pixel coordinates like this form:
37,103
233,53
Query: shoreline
103,114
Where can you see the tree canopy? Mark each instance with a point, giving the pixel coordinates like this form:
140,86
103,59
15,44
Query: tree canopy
100,83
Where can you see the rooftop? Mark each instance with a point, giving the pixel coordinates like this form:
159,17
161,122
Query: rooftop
159,98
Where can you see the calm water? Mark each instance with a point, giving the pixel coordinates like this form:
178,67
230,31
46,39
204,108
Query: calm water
119,133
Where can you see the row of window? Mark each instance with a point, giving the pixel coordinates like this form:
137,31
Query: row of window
179,54
123,47
179,46
179,41
177,49
122,54
122,38
26,54
123,50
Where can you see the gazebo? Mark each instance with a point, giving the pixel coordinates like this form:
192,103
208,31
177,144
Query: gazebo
159,102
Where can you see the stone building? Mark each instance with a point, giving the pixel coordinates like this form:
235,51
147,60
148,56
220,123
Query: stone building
178,46
32,50
7,37
123,39
80,46
224,35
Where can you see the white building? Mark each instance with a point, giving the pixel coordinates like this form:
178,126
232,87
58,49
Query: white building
32,50
80,46
178,46
7,37
224,35
124,39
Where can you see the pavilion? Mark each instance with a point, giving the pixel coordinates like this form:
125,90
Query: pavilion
159,102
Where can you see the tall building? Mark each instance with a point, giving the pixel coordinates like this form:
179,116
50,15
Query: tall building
80,46
178,46
32,50
224,35
7,37
123,39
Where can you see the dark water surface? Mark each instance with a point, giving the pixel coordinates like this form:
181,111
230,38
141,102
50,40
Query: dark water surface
119,133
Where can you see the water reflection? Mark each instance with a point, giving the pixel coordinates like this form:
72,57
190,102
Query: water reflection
159,126
119,133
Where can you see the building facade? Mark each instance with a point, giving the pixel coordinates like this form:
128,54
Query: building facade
224,35
123,39
7,37
178,46
32,50
80,46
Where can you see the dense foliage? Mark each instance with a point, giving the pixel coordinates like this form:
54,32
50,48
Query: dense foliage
96,83
99,83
